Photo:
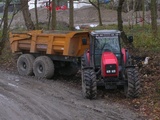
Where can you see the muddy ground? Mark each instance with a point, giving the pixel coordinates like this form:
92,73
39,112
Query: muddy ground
29,98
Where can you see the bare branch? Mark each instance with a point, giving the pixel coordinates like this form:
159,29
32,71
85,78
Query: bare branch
93,4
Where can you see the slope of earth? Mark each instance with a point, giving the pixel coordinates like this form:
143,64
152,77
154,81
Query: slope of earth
81,16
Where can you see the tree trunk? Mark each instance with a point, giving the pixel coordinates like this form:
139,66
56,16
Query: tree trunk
36,15
53,23
5,26
99,14
71,16
143,8
26,15
154,17
99,11
49,16
120,22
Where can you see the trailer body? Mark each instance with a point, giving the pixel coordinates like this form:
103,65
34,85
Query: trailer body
50,42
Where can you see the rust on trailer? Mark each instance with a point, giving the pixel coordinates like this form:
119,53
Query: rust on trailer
72,43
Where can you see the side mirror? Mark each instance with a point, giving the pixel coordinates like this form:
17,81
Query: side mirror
130,39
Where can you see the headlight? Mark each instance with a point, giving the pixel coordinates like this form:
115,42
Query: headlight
111,69
108,71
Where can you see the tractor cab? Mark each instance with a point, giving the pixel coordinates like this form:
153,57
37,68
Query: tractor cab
103,42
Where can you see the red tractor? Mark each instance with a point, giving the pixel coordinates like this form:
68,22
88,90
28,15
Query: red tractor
106,63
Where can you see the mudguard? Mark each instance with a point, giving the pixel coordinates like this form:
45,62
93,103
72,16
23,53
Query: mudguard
124,52
127,59
108,58
86,57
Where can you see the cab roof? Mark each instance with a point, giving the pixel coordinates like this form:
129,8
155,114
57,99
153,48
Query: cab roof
116,32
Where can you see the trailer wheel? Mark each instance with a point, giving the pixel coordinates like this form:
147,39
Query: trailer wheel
69,69
43,67
25,64
89,85
132,88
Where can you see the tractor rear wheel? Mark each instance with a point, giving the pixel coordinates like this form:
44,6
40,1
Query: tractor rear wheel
132,88
25,64
43,67
89,85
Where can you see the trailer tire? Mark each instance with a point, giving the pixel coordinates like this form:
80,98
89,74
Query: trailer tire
132,88
43,67
70,68
25,64
89,84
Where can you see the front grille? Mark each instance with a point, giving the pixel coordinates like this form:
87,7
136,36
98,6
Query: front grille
111,69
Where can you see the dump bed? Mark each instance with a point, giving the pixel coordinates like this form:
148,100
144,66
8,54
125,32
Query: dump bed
72,43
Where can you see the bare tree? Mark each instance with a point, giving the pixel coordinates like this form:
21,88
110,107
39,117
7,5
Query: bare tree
26,15
143,9
53,23
71,16
49,14
154,17
36,15
120,23
97,6
5,25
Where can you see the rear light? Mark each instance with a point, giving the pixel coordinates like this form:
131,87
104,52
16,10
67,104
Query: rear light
111,69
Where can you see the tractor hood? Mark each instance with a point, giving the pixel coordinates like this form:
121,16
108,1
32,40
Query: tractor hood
109,65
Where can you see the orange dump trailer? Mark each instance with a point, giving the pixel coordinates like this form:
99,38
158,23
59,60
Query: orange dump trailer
50,42
44,52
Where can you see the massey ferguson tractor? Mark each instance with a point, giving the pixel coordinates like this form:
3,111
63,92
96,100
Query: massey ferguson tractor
106,64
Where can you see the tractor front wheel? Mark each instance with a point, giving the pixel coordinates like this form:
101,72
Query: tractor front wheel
132,87
89,85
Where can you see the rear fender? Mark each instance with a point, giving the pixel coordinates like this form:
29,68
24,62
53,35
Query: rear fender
108,58
125,55
87,58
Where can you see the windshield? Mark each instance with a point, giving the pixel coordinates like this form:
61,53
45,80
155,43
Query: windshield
107,43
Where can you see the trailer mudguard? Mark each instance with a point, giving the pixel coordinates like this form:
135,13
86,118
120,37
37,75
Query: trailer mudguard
109,65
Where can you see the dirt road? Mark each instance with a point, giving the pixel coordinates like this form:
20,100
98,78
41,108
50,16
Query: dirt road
28,98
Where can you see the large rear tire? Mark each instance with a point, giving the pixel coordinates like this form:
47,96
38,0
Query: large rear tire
69,69
43,67
89,85
132,88
25,64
